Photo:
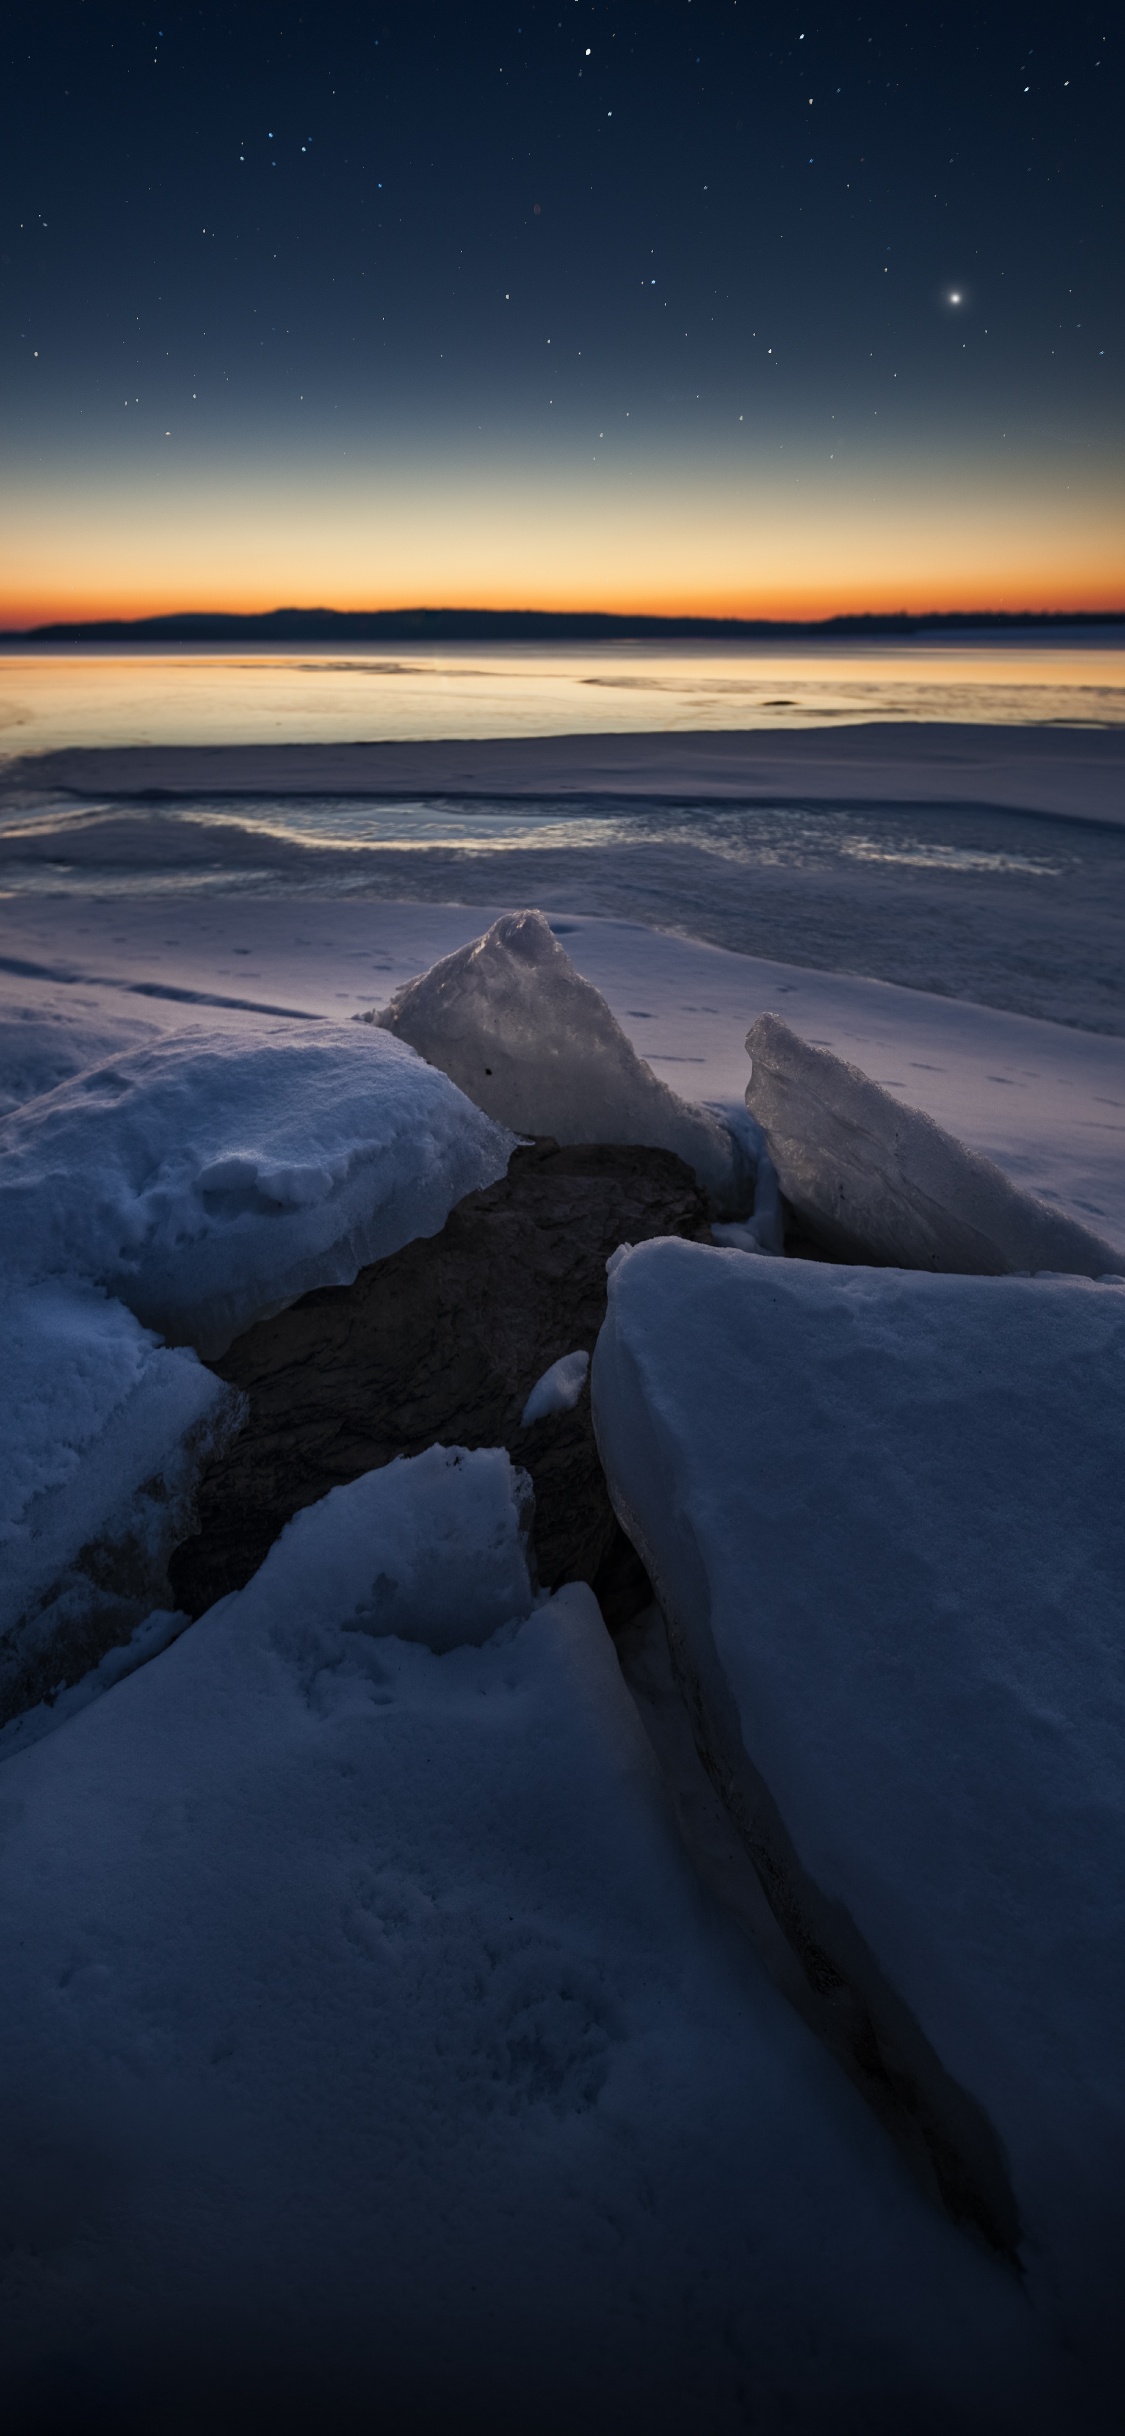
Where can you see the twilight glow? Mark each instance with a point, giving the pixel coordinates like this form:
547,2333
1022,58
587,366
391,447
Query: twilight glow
514,308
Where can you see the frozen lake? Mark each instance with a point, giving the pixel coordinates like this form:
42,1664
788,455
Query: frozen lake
66,697
946,816
1017,910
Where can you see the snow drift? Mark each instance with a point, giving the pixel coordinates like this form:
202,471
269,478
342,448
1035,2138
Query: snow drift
536,1046
212,1177
883,1515
875,1181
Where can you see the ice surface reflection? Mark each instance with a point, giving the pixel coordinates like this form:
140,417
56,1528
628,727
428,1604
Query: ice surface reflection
60,698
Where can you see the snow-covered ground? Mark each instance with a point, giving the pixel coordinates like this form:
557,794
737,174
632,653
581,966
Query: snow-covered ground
1046,1101
980,863
1077,772
367,2033
367,2042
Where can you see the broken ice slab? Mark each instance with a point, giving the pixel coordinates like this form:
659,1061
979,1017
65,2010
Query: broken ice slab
870,1180
882,1513
103,1435
210,1179
536,1046
337,1968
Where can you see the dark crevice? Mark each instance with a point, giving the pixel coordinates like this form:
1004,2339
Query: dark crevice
442,1342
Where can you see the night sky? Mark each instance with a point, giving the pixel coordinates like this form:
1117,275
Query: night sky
671,304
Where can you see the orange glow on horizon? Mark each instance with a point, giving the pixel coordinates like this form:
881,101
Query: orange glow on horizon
1075,595
703,542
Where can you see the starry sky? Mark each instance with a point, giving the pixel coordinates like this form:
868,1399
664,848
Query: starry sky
668,305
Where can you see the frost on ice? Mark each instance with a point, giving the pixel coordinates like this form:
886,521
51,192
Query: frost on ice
875,1181
211,1178
103,1433
536,1046
883,1515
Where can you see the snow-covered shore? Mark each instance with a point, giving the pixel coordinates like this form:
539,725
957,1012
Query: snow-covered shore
370,2040
1044,1100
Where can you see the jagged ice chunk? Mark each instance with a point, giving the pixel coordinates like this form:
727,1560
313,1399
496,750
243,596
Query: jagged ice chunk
875,1181
536,1046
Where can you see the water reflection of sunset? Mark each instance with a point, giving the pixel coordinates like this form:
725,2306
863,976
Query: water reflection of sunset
56,698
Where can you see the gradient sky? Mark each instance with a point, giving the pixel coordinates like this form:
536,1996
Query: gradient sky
637,306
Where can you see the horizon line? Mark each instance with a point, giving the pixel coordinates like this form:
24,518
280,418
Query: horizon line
471,624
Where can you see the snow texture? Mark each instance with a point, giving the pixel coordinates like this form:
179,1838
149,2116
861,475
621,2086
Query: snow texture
883,1515
874,1181
366,2041
40,1049
431,1548
209,1179
157,1631
536,1046
102,1434
558,1390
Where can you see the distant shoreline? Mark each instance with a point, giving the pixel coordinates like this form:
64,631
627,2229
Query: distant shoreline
303,626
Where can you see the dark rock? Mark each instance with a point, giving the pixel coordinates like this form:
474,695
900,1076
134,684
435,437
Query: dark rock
443,1342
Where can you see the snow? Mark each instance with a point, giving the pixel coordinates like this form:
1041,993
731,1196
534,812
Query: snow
558,1390
874,1181
370,2042
102,1434
519,1030
158,1628
213,1176
366,2026
883,1513
447,1531
40,1050
1073,772
1044,1100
